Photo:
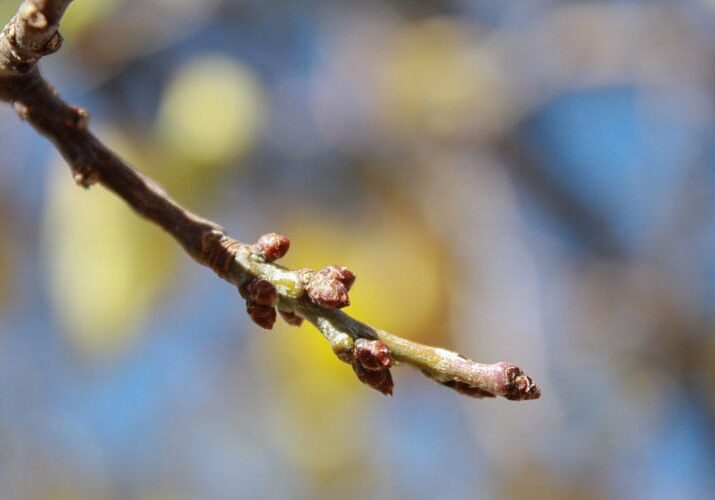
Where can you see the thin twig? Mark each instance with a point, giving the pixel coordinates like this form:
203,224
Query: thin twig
267,287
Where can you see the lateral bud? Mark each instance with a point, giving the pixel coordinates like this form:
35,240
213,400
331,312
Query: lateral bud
326,288
371,363
263,316
261,292
271,247
342,274
372,355
380,380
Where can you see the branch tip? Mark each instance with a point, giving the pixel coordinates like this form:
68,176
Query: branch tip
304,294
517,385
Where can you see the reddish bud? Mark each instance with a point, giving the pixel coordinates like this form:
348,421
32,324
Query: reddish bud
380,380
342,274
291,318
372,355
272,246
515,384
371,361
261,292
325,289
263,316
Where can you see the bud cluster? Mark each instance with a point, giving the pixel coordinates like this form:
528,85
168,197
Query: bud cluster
371,363
329,287
261,295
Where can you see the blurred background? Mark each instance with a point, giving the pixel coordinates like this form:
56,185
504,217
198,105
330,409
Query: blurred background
522,181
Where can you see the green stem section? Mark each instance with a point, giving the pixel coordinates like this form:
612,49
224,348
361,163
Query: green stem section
341,330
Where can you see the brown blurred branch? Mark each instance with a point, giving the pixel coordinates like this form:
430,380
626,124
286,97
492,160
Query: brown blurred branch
266,286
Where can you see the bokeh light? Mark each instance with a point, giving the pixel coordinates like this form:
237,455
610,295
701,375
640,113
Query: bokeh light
520,181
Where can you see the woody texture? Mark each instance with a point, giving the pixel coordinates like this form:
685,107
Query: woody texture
269,290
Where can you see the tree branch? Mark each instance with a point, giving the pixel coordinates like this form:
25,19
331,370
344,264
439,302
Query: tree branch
267,287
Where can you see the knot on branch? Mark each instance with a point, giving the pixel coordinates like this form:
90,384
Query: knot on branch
77,118
371,363
84,175
29,37
17,61
33,16
219,252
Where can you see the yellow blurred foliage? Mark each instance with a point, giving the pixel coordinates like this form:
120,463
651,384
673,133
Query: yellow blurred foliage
185,181
310,386
398,287
211,111
7,10
399,269
106,265
82,15
440,82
